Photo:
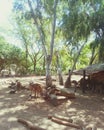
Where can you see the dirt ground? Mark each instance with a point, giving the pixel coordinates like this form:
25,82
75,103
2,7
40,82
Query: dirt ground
85,110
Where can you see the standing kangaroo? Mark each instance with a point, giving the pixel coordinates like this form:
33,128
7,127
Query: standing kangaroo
36,89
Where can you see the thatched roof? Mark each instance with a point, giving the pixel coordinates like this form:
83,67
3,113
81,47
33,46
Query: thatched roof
90,69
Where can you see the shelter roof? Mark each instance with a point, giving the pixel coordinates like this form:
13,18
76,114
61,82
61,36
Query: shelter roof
95,68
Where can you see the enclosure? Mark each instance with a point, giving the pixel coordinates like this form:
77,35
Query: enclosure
85,110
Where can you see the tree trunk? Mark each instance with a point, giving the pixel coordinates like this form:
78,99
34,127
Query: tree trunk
39,28
49,57
34,64
93,56
68,80
42,38
26,58
44,63
60,79
48,72
83,82
59,69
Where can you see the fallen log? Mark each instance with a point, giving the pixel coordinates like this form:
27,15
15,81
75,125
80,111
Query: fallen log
65,123
90,128
61,118
29,124
66,93
12,91
45,79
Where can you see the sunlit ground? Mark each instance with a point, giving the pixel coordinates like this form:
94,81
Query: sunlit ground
85,110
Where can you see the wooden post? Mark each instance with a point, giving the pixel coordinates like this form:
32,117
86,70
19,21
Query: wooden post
84,85
68,80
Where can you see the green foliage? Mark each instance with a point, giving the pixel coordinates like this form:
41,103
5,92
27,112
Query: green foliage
49,6
76,21
80,19
10,54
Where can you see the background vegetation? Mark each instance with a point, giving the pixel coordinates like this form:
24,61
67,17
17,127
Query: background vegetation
78,38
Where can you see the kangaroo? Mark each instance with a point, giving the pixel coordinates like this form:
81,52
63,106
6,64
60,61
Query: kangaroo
36,89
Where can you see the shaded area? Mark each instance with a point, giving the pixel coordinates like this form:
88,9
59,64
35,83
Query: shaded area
85,109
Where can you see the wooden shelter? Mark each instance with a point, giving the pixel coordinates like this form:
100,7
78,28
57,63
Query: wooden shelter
95,68
95,74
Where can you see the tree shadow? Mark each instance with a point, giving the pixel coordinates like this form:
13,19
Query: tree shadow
85,110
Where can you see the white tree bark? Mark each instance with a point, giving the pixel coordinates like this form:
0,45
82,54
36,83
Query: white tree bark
48,57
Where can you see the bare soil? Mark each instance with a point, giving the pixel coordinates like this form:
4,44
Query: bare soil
85,110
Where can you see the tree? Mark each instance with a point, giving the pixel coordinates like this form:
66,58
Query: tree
39,21
75,30
9,54
97,26
59,68
80,19
26,33
76,22
48,57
